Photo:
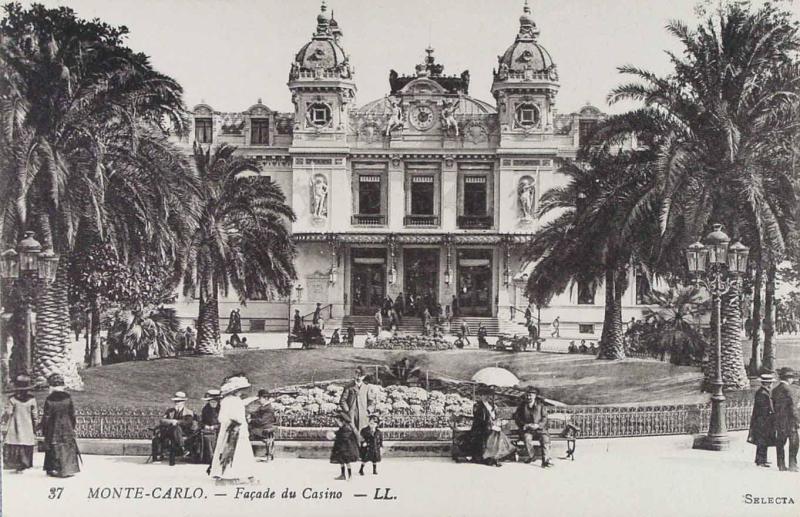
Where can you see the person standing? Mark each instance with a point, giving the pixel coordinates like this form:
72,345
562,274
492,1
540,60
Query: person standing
528,316
297,326
356,400
315,319
233,460
556,323
371,445
345,446
784,401
762,422
465,332
426,318
58,427
378,322
482,418
531,420
454,306
400,307
20,418
209,426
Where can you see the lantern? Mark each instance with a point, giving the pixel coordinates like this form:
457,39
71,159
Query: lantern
9,265
29,249
696,258
393,275
717,245
737,258
448,277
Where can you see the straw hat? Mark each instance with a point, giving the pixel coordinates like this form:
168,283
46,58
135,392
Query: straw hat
212,394
766,377
235,383
179,397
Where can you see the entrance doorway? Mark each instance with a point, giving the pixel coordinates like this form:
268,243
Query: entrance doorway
368,280
475,282
421,278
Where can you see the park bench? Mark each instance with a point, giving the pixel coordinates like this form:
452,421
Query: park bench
558,425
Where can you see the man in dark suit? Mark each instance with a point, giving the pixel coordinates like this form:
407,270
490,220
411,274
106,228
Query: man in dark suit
481,423
784,400
762,423
531,420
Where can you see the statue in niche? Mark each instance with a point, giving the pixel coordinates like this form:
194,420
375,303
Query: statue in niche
448,115
395,116
319,196
526,193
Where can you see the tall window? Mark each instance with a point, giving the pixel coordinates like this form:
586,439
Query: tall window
475,195
642,288
203,130
259,131
422,195
585,130
369,194
585,293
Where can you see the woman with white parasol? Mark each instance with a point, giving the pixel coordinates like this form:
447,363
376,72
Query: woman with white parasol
233,461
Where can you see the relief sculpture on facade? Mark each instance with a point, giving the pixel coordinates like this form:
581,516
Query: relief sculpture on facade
395,116
449,122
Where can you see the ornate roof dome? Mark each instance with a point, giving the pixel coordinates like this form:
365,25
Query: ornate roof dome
526,54
322,56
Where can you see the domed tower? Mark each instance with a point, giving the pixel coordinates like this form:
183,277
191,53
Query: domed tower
525,83
322,86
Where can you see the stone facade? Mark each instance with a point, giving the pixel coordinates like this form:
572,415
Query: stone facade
426,191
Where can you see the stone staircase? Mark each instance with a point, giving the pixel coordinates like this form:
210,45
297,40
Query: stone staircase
413,325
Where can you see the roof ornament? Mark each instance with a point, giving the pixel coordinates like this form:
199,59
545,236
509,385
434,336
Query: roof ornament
335,30
429,68
323,21
527,27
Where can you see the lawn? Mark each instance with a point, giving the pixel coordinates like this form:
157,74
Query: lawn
573,379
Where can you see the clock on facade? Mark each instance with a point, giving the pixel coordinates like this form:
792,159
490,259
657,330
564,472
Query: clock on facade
422,117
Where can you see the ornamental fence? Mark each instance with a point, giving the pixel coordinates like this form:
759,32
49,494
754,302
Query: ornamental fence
591,422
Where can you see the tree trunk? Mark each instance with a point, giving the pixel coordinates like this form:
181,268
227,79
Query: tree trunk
95,350
734,376
769,319
612,345
53,349
208,339
755,353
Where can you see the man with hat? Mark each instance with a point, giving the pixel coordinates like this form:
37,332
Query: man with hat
177,424
357,401
531,420
209,422
762,423
784,400
262,421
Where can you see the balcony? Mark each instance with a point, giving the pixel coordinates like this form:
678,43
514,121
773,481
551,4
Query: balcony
421,220
475,222
368,220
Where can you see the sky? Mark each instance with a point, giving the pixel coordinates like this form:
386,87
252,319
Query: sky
230,53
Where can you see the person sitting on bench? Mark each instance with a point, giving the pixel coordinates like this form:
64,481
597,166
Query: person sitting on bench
531,420
262,422
335,338
176,432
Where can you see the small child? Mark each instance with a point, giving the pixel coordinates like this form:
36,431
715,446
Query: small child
345,446
371,444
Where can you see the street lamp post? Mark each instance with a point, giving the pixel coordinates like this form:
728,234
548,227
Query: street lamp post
718,267
28,263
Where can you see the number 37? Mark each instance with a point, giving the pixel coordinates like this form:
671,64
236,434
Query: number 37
55,492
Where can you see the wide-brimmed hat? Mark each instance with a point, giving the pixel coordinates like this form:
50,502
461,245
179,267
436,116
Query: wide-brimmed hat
22,382
179,397
766,377
787,373
235,383
55,380
360,372
212,394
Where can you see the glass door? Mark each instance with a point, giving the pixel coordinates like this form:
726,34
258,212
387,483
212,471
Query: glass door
368,280
475,282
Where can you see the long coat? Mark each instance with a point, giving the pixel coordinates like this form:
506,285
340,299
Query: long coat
58,427
243,466
784,401
482,419
356,402
371,444
762,423
21,422
525,415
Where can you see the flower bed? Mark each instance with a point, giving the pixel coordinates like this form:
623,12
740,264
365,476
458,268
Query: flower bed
398,406
409,343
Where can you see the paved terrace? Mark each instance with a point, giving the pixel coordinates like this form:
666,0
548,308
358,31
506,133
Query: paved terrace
650,477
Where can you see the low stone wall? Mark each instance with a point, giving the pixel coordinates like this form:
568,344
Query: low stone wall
591,421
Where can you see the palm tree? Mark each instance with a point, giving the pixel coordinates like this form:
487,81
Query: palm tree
673,323
242,241
715,123
81,114
598,227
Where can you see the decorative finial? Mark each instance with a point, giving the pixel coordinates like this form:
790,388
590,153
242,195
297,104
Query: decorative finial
259,101
525,8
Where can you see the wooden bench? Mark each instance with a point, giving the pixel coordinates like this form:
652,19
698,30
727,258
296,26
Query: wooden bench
558,427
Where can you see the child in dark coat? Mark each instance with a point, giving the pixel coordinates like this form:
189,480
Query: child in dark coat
345,446
371,445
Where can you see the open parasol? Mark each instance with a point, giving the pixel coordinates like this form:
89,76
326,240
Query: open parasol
495,376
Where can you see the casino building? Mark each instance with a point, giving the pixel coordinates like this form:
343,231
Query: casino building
427,191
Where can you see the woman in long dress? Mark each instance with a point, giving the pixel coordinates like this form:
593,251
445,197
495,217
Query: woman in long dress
233,461
20,414
58,426
498,446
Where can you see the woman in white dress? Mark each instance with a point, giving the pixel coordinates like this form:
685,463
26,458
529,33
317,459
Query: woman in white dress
233,461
